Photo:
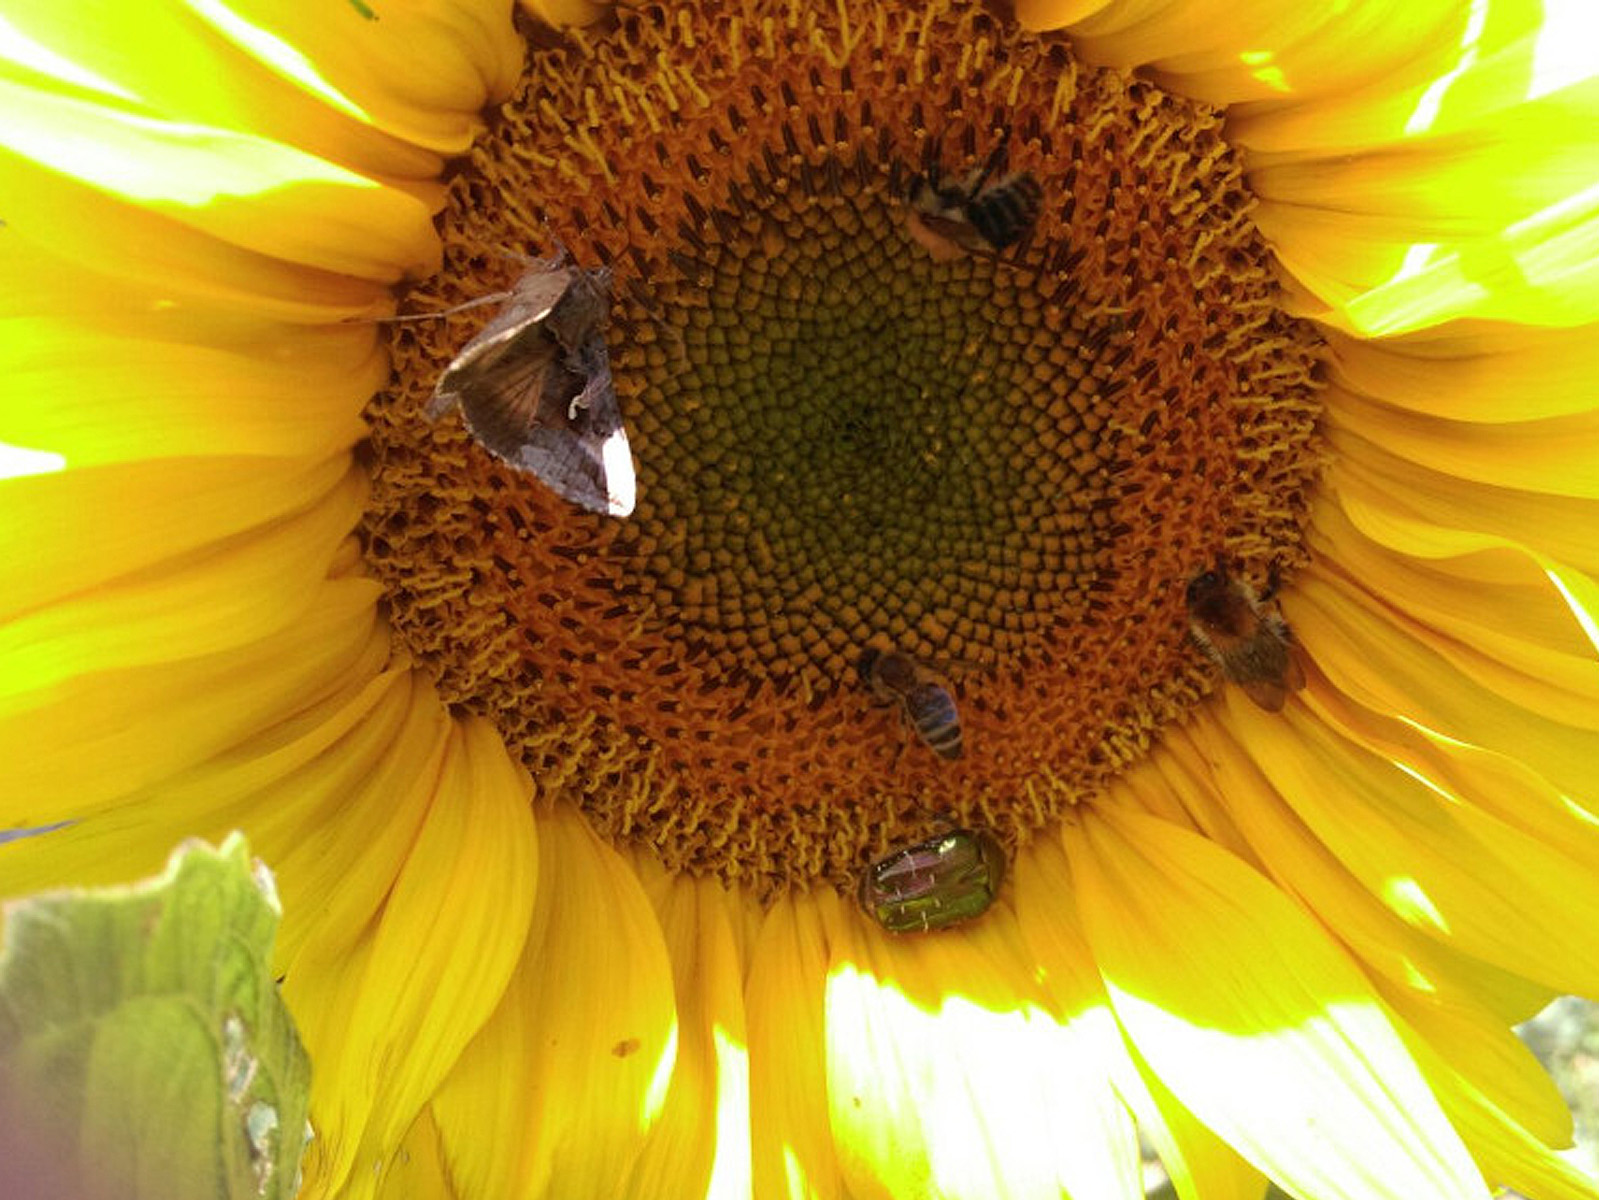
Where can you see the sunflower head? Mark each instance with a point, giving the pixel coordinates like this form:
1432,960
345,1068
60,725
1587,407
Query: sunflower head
930,342
974,427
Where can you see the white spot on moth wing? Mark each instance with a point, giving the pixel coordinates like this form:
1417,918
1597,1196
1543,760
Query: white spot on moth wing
621,485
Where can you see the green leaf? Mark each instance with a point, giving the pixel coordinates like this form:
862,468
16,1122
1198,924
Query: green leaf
144,1051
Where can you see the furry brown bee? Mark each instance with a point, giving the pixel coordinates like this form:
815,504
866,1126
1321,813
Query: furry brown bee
927,705
975,217
1250,642
534,387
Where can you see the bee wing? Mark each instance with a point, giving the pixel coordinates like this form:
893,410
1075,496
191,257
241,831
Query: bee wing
946,238
1267,693
1294,676
577,443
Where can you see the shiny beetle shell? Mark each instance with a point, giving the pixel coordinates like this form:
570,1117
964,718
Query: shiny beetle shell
942,881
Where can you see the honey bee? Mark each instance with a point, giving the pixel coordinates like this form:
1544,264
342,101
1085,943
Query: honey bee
977,217
534,386
934,884
1248,641
924,701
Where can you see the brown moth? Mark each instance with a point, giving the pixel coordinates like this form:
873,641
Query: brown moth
534,386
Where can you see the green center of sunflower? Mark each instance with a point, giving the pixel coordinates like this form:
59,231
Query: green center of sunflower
838,455
1005,465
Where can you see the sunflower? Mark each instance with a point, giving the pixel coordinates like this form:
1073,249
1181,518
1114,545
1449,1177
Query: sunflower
980,342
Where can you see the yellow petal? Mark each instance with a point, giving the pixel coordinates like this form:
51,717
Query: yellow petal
1056,14
1516,615
1170,787
1438,68
542,1102
1507,1152
1484,1057
227,596
1512,1157
563,13
1256,1019
1464,191
348,767
103,736
417,1171
1452,871
1557,528
275,106
1545,456
1104,1158
291,392
245,190
944,1063
1226,53
1201,1165
89,254
328,78
792,1144
323,1002
1519,375
362,772
1497,556
1384,662
700,1145
358,770
179,512
1305,867
1380,274
468,882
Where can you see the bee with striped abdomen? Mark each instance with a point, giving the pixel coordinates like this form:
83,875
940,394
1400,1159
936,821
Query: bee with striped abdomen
925,702
977,217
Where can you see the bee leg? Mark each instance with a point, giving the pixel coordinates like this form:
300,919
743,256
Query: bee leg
907,734
932,152
1274,581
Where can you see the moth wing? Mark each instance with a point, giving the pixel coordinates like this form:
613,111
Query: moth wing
534,387
596,477
501,394
509,342
533,298
581,310
578,445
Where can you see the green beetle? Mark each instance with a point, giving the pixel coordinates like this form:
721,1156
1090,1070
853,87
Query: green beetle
933,884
